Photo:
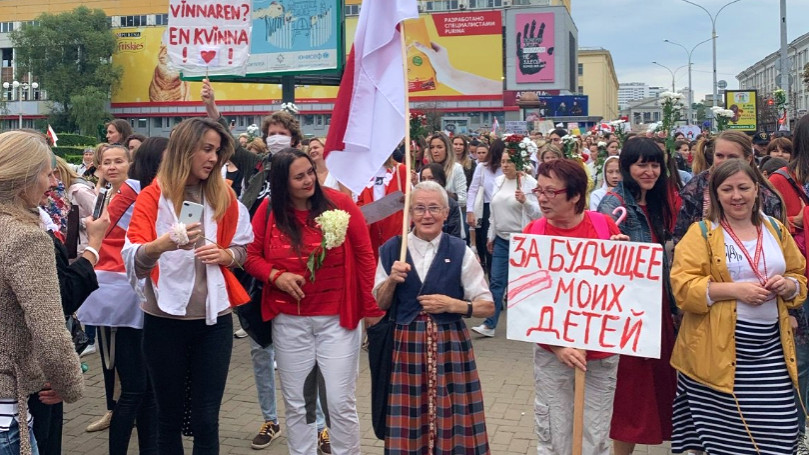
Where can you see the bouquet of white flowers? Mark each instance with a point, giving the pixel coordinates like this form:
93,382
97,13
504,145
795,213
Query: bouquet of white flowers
334,225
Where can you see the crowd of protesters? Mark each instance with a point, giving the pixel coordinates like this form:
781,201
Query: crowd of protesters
156,244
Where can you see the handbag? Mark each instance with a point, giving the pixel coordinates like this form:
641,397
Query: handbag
249,314
380,362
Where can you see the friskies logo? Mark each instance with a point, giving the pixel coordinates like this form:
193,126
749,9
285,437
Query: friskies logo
130,42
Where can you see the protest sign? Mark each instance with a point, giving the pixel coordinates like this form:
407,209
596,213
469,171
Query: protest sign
209,36
590,294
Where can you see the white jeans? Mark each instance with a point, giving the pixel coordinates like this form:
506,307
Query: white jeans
553,405
301,342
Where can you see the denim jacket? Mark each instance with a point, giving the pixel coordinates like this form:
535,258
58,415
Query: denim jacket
636,226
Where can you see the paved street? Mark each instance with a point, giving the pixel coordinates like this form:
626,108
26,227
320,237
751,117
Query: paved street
505,372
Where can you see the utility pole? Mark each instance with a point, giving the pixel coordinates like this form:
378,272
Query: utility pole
785,85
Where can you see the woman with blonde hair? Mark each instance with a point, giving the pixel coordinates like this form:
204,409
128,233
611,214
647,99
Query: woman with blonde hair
37,356
440,151
187,327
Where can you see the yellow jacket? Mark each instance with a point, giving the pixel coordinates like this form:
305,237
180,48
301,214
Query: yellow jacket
705,349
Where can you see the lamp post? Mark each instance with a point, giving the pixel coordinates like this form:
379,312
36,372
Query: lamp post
690,90
713,37
671,72
18,88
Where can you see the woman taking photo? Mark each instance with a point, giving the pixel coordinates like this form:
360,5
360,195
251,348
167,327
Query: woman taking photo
435,399
114,308
483,181
187,326
512,207
734,276
562,191
315,312
38,356
645,387
440,151
695,202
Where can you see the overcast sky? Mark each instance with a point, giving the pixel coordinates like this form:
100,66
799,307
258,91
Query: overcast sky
634,30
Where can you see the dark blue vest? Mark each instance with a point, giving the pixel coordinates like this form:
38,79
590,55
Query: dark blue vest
443,277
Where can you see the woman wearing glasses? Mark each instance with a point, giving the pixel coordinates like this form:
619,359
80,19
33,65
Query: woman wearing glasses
645,388
435,403
562,193
512,207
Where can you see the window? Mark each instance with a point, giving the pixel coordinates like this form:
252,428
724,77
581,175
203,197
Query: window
352,10
581,90
581,69
134,21
157,122
142,123
162,19
6,27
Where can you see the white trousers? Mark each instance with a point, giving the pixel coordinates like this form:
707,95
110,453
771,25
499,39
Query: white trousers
553,406
301,343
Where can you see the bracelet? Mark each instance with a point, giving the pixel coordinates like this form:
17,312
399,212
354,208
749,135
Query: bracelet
274,277
232,256
468,310
94,252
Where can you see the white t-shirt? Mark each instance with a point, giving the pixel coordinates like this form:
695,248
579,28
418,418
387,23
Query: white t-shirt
740,271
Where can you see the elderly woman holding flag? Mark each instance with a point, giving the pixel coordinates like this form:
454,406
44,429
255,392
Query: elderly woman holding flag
433,366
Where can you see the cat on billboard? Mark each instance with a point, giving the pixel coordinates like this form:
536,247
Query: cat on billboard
535,44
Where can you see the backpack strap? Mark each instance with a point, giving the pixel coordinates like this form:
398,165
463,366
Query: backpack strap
600,224
788,176
776,227
703,226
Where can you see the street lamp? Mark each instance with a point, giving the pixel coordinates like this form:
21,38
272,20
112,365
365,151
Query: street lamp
690,90
672,73
713,37
19,87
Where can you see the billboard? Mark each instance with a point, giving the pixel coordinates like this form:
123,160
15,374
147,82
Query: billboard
541,49
743,105
465,45
535,46
537,105
292,36
447,54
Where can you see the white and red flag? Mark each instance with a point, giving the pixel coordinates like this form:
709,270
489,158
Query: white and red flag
368,121
52,135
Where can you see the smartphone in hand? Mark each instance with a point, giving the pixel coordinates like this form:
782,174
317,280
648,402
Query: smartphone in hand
101,201
191,213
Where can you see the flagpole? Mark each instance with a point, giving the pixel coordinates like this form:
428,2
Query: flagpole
408,158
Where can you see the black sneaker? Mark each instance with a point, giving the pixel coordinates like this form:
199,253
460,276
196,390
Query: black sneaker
268,432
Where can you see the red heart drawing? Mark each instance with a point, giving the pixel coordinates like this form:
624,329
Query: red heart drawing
207,55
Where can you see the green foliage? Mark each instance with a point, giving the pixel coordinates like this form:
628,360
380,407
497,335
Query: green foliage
73,159
64,152
76,140
70,53
89,109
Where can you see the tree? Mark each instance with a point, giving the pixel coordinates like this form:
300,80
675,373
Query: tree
699,109
70,54
805,74
88,110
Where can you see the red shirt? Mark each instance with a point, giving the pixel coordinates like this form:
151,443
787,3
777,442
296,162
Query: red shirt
793,204
584,230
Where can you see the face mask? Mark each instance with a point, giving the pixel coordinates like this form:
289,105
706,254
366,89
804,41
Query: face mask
278,142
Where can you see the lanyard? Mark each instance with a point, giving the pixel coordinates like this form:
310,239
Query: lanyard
758,253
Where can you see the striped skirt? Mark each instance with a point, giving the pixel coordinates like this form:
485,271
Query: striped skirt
707,420
456,425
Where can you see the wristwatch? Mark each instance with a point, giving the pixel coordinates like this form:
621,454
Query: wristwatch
468,309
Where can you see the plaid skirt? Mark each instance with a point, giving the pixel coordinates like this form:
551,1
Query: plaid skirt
435,405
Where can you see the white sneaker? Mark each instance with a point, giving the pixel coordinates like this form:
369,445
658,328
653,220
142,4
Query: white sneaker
240,334
89,349
483,330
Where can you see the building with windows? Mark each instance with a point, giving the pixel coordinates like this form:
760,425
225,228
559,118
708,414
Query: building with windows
631,91
763,76
140,28
597,80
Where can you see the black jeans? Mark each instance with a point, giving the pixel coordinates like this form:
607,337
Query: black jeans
47,425
137,399
108,371
480,240
173,347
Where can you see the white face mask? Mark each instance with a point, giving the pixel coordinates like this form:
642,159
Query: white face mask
278,142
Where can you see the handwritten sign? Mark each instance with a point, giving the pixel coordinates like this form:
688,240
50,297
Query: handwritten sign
590,294
209,36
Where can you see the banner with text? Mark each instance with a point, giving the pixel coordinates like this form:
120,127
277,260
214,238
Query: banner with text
209,36
745,110
535,45
446,54
598,295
